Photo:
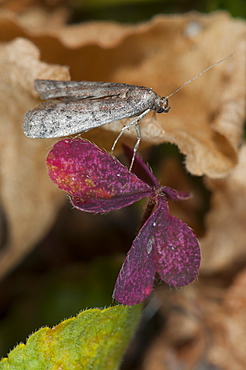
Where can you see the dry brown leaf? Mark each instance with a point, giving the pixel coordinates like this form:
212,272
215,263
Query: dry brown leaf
162,54
29,200
228,323
223,247
183,342
204,328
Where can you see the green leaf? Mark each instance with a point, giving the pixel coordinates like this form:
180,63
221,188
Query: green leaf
95,339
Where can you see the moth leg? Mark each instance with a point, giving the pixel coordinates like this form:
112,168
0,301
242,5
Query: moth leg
77,136
134,122
138,131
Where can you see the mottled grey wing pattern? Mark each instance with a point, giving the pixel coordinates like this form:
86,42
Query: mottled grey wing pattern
67,117
49,89
79,106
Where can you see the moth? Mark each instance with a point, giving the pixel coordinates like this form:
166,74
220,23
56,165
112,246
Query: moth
74,107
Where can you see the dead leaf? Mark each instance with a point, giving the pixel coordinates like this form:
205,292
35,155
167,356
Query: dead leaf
229,327
204,327
223,247
29,200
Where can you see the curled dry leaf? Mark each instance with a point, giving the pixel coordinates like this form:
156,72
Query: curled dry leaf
29,200
223,246
227,324
204,328
205,120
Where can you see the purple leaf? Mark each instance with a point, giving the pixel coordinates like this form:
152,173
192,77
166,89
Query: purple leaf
136,278
96,181
176,248
145,173
175,194
140,168
165,245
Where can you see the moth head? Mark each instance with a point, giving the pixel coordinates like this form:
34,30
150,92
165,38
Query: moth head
163,105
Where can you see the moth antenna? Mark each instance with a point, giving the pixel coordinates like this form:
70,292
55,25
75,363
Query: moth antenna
199,74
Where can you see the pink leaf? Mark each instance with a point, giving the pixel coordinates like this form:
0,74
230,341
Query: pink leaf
176,249
96,181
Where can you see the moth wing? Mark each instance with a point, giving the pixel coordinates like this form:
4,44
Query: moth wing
59,118
49,89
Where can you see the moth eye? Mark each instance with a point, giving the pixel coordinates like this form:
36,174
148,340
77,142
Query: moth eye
160,110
